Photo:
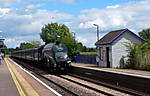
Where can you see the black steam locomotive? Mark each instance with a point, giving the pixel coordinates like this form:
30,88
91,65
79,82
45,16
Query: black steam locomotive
52,56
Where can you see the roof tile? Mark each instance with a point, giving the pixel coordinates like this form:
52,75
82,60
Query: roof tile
109,37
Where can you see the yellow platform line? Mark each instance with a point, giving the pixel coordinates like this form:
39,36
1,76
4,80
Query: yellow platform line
28,88
20,90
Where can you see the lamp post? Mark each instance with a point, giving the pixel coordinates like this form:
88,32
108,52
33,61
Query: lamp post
98,56
74,37
97,26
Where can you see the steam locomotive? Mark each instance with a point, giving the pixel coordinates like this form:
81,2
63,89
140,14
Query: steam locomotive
52,56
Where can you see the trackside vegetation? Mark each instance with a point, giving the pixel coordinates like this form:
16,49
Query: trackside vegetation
52,32
138,54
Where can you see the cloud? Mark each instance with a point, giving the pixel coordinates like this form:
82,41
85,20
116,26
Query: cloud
132,15
25,24
4,11
5,3
22,23
124,15
113,6
34,5
65,1
83,40
9,41
69,1
27,3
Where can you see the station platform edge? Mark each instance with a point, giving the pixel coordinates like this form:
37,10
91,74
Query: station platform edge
20,83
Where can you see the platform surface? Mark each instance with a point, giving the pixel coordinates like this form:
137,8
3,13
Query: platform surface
130,71
7,85
14,81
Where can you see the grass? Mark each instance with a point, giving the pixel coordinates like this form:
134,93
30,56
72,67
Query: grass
88,53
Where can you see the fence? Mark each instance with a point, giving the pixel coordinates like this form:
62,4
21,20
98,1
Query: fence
89,59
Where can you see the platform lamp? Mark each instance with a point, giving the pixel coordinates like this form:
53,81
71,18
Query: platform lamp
97,26
97,57
74,38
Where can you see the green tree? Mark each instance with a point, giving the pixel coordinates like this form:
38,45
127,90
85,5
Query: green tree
145,34
56,32
36,43
30,44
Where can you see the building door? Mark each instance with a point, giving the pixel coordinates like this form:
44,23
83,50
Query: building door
107,57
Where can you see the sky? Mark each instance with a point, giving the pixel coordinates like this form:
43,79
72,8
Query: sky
22,20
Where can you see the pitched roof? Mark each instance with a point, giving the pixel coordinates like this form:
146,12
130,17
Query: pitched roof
113,35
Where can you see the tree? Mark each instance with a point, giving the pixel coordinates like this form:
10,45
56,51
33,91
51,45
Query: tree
56,32
27,45
30,44
145,34
36,43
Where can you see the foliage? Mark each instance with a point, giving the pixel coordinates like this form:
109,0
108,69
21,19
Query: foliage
30,44
59,32
145,34
81,48
139,53
23,46
139,56
91,50
89,53
36,43
56,32
26,45
9,50
122,62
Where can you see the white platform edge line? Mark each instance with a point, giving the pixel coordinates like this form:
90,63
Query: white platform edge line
51,89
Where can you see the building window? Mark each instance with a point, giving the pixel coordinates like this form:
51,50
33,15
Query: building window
101,53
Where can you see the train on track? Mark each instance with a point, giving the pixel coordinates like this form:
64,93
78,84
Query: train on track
53,56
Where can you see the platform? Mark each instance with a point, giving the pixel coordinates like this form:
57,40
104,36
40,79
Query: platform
130,71
16,82
135,80
7,85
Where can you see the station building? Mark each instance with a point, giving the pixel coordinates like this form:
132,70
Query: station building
112,47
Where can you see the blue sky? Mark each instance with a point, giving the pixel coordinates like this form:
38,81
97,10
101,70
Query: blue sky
22,20
74,6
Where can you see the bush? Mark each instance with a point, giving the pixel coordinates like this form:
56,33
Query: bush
138,56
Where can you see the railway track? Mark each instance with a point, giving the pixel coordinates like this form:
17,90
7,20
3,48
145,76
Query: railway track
89,87
119,89
39,74
69,91
124,83
64,89
49,80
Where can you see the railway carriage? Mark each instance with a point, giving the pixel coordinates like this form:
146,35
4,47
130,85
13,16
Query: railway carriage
52,56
